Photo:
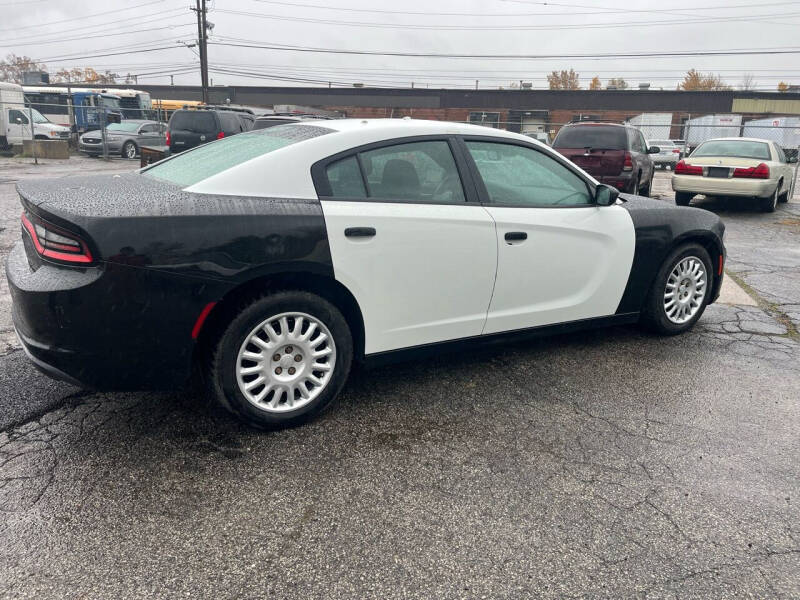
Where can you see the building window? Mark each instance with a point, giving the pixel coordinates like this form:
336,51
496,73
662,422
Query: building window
487,119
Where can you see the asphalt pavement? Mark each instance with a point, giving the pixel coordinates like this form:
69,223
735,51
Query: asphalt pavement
602,464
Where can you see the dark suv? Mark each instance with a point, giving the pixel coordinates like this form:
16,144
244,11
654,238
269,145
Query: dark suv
613,154
192,127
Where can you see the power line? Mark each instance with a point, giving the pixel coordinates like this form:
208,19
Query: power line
553,27
592,56
88,37
81,18
527,14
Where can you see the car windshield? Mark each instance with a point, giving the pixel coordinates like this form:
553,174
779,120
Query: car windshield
737,148
210,159
125,126
607,137
38,117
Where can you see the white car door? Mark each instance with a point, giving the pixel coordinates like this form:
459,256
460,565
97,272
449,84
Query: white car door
418,256
561,258
785,167
18,126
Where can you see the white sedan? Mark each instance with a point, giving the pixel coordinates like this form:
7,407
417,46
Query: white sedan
747,167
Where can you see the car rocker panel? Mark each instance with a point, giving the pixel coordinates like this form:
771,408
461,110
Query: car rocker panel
167,264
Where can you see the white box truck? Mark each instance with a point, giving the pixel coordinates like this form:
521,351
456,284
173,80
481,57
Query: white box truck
784,131
15,119
708,127
654,126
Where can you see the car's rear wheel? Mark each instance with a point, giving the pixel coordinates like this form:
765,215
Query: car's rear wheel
635,186
769,204
683,199
784,197
129,150
680,291
282,360
649,187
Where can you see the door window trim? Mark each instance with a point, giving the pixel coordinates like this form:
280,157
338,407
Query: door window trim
483,193
324,191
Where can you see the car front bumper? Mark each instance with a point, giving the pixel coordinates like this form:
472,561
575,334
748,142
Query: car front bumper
718,186
114,147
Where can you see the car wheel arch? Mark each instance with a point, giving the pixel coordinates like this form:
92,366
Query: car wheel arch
225,310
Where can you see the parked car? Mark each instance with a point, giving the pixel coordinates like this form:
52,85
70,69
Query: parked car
192,127
749,167
271,261
615,154
266,121
681,145
668,153
125,138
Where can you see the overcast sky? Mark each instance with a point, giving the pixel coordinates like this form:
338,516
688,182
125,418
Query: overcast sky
55,31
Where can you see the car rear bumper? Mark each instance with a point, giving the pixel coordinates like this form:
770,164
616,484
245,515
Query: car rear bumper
622,181
109,327
717,186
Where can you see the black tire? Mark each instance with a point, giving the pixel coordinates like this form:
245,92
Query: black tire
129,150
769,204
649,187
654,315
784,197
222,380
683,198
635,186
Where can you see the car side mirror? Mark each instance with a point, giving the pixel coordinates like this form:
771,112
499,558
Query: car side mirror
605,195
653,150
791,159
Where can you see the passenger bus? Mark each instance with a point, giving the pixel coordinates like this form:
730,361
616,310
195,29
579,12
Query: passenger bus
87,105
165,108
135,104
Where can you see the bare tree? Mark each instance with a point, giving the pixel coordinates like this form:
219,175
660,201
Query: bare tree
748,82
12,68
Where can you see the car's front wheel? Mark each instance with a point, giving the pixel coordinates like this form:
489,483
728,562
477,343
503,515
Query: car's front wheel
282,360
680,291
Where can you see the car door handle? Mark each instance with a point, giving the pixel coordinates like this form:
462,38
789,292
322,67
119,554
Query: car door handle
516,236
359,232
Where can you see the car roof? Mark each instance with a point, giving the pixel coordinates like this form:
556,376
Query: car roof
741,139
596,123
390,128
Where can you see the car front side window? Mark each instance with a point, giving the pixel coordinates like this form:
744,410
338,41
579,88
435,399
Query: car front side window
521,176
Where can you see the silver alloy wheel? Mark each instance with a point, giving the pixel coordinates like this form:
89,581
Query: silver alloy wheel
686,290
130,150
285,362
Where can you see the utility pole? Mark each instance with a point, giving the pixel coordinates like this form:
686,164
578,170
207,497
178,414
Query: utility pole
202,29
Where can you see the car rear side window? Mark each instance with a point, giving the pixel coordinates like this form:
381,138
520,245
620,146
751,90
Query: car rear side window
598,137
210,159
521,176
413,172
197,121
345,179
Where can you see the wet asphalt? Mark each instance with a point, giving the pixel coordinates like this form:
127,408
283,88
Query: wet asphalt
602,464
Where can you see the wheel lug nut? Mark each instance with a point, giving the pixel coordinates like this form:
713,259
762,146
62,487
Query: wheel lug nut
291,370
276,357
278,371
298,358
288,349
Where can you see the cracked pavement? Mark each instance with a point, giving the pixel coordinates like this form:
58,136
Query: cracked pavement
602,464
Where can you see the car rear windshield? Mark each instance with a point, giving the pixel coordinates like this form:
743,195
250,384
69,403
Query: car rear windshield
737,148
210,159
198,121
599,137
660,143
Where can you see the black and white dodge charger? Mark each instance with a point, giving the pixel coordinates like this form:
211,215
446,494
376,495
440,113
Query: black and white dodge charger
272,260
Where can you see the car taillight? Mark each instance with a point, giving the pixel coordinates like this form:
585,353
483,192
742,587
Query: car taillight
169,138
628,162
676,151
683,169
220,135
53,242
759,172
